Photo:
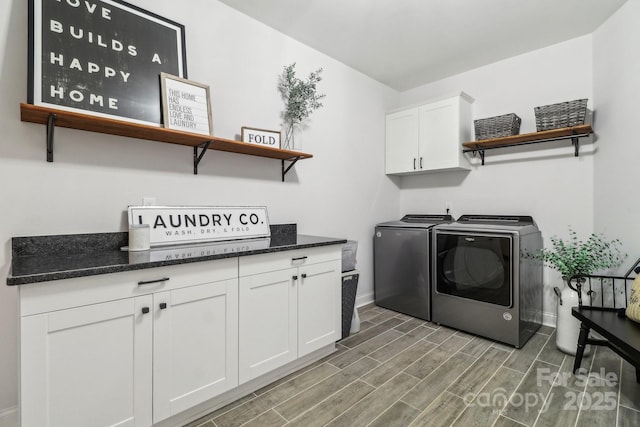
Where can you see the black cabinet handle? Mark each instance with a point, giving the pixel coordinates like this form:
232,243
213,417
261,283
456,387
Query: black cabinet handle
420,162
304,275
414,163
294,277
145,310
300,258
149,282
163,305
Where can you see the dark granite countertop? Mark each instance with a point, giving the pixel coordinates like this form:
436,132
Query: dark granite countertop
48,258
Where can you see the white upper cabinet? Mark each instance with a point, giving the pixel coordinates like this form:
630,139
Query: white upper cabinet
428,137
402,141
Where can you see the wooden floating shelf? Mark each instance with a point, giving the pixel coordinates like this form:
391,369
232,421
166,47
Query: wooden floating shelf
573,133
529,137
38,114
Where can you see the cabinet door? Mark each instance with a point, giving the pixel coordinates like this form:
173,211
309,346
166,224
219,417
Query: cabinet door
439,145
88,366
444,125
402,141
195,345
319,306
268,319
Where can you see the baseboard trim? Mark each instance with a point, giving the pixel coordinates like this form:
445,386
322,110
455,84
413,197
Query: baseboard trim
9,417
362,300
549,319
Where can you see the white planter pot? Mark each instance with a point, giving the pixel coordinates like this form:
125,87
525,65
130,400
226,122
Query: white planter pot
567,326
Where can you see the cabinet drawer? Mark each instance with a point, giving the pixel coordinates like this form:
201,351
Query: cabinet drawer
62,294
257,264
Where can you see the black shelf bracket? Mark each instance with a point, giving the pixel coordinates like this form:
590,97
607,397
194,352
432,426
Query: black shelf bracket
198,156
475,152
51,124
575,141
293,162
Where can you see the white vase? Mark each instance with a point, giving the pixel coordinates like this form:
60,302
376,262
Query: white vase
567,326
355,321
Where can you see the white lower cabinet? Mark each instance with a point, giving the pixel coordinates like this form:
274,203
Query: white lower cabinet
132,361
319,306
195,352
135,348
88,366
268,319
290,306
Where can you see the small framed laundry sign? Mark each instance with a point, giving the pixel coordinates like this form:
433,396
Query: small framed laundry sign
173,225
268,138
186,105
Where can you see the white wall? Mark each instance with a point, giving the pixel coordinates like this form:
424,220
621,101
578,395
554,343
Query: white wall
341,192
616,81
545,181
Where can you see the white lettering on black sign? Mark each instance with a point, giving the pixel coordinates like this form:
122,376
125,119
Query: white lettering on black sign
104,56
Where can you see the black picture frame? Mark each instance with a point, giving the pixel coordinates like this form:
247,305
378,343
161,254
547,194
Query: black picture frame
102,58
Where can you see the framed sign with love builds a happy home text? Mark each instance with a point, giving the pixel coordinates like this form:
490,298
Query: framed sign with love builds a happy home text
102,57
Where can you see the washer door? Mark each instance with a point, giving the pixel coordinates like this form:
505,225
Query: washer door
475,266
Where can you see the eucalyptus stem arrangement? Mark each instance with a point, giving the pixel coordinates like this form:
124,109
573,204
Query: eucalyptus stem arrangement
575,257
300,99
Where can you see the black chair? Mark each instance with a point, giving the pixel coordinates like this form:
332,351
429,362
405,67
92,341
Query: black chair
606,316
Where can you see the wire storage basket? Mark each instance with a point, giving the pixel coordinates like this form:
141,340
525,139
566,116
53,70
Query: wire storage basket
561,115
496,127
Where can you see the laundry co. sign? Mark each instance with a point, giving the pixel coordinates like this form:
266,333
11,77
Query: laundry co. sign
192,224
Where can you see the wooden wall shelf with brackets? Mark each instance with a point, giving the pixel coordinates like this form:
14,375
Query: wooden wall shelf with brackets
573,133
52,117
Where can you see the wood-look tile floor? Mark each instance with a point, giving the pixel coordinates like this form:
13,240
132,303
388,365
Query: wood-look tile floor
402,371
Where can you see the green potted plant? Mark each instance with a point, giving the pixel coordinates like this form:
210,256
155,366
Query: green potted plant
574,258
300,100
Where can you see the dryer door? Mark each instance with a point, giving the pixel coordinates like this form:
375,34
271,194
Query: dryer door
476,266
